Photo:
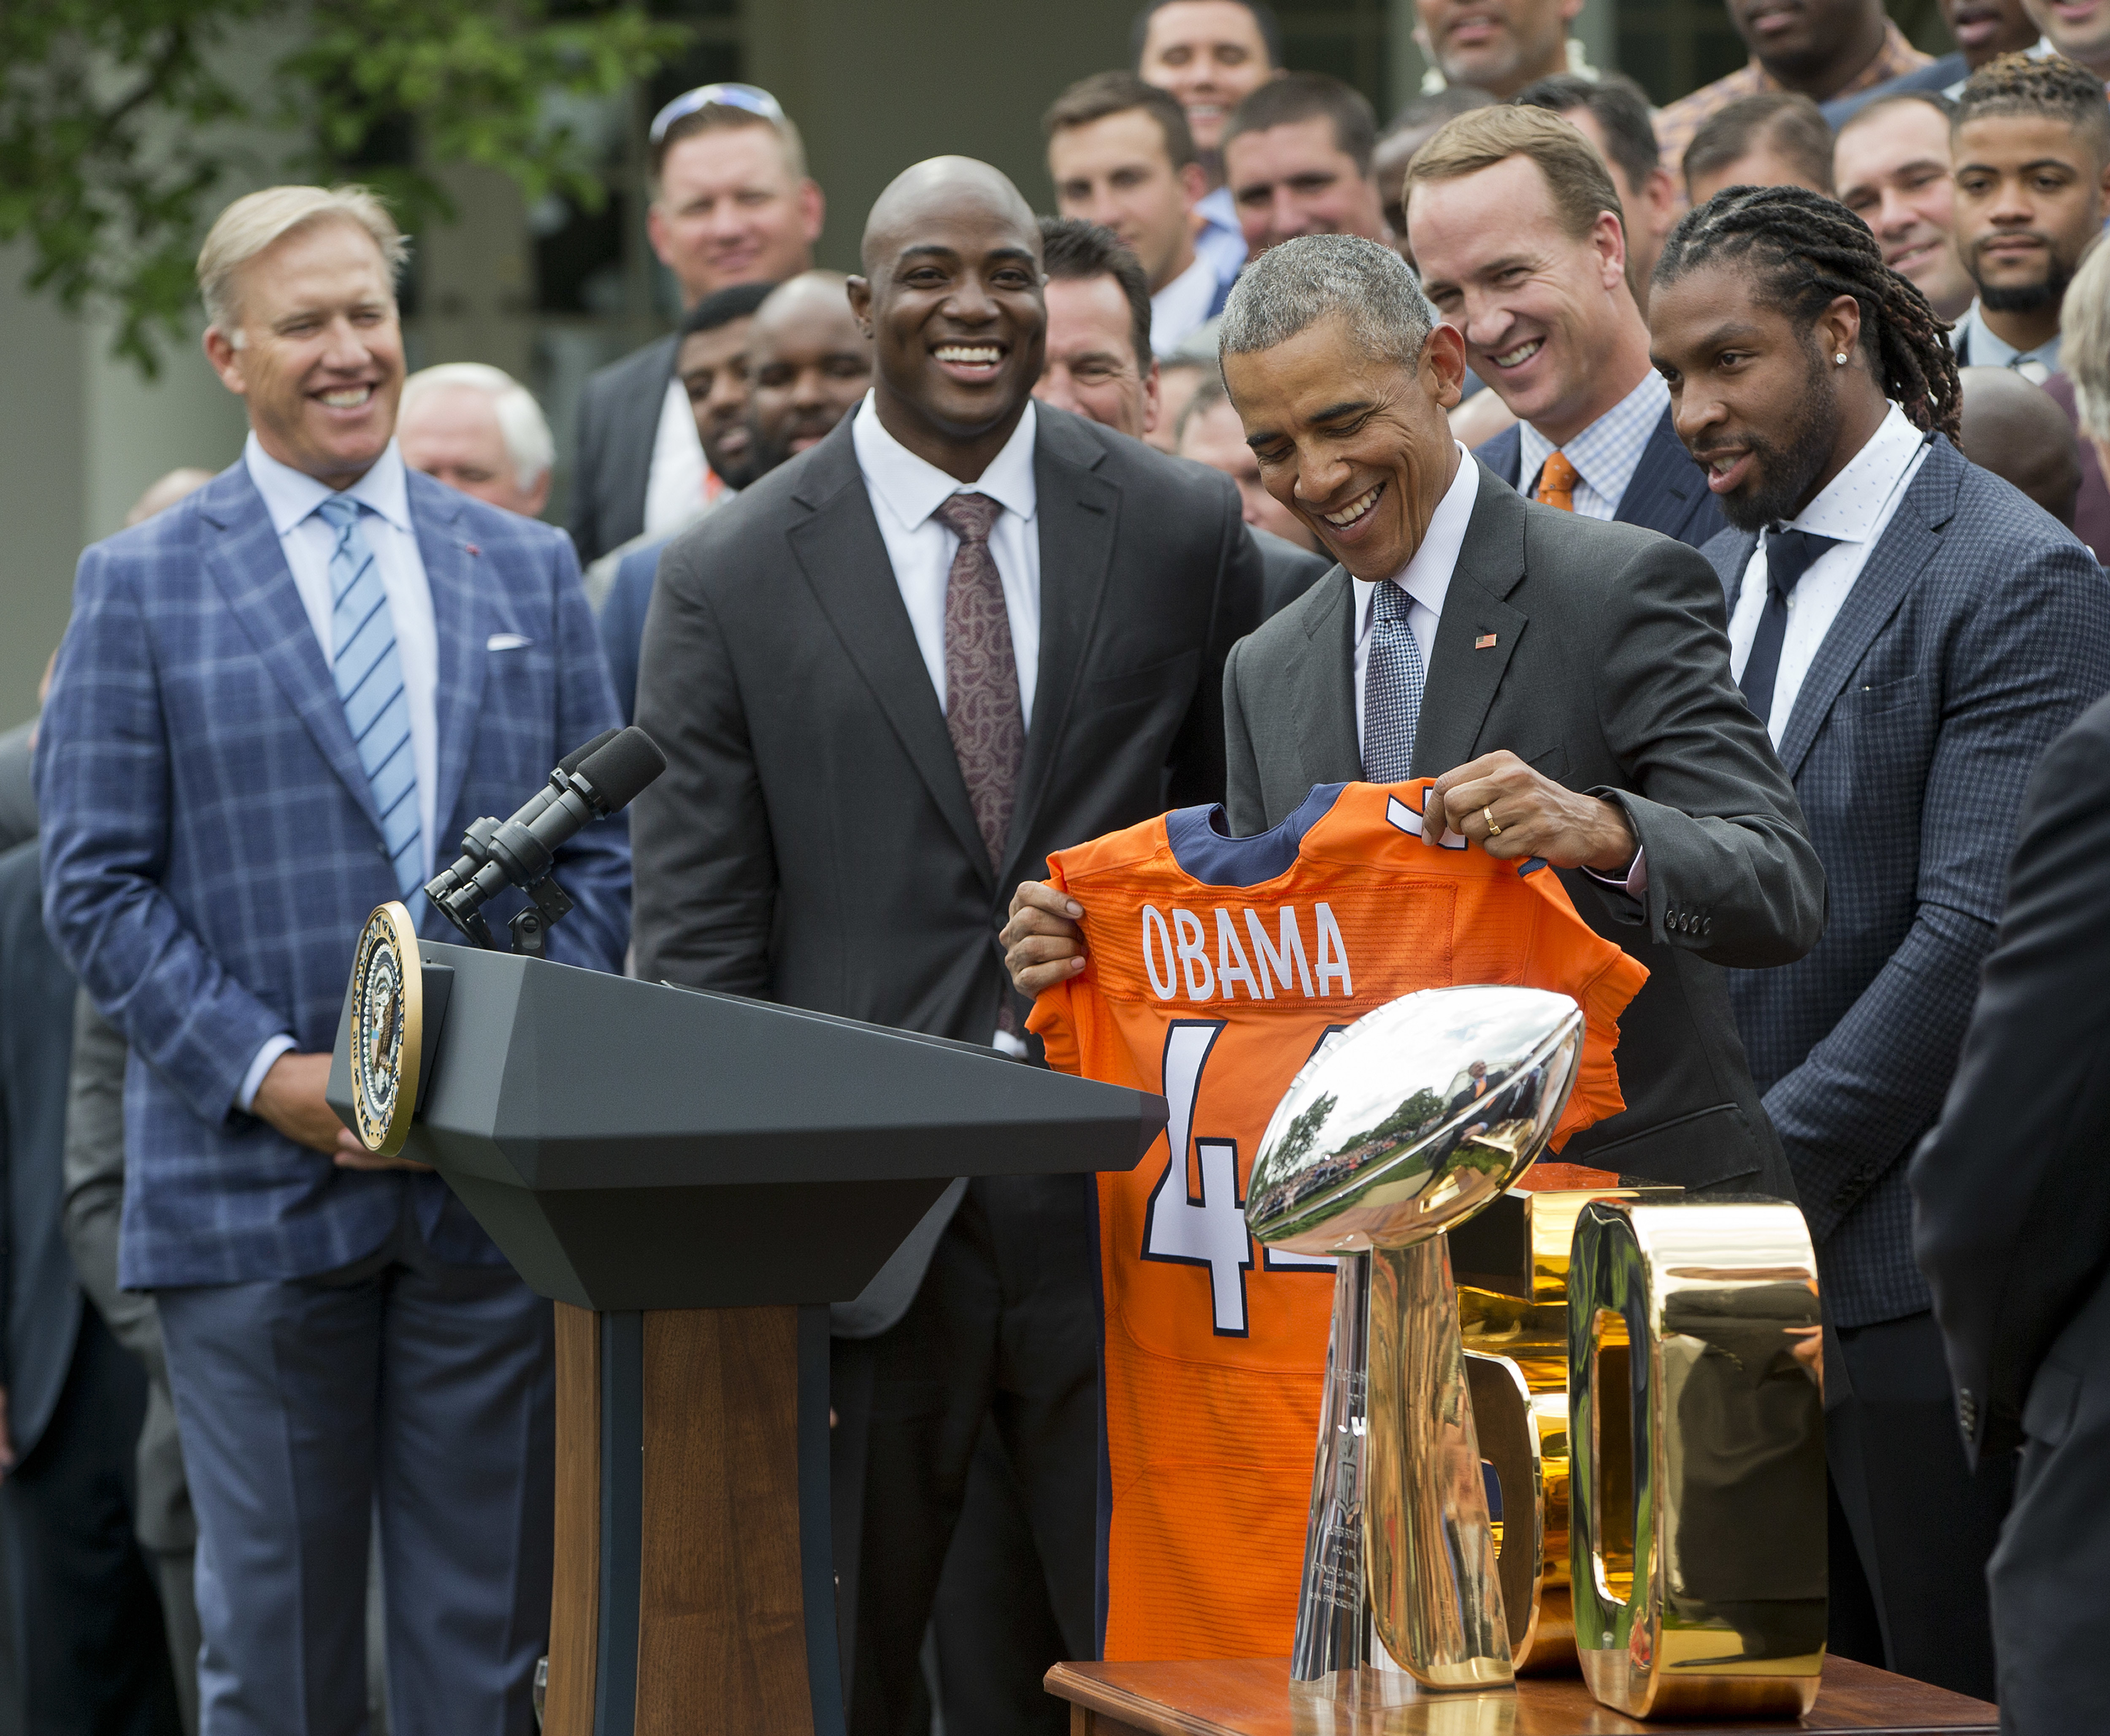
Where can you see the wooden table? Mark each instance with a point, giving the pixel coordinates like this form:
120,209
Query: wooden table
1251,1697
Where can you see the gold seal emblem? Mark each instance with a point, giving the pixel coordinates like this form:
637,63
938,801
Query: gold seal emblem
387,1028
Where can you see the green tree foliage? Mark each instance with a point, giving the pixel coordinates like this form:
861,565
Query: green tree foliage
126,123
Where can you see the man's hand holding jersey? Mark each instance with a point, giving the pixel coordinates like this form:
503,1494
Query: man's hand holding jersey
1497,801
1514,813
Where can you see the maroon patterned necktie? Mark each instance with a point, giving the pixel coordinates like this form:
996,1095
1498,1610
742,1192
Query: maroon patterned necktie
983,714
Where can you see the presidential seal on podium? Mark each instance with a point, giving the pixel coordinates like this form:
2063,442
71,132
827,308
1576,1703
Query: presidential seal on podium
387,1028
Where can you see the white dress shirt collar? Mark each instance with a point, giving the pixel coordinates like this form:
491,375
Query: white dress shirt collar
1854,510
1607,452
290,496
1176,309
1990,349
913,488
1427,577
1855,505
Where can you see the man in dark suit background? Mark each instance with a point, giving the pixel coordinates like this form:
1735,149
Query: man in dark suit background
2012,1228
963,631
2010,1223
1566,681
731,203
1549,318
2009,1228
1913,631
87,1635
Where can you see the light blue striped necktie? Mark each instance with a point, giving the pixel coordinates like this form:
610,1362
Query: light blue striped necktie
1392,677
369,681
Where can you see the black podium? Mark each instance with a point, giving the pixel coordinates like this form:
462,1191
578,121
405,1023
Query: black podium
693,1177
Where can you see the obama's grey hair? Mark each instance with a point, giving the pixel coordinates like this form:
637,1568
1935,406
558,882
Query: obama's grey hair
1297,283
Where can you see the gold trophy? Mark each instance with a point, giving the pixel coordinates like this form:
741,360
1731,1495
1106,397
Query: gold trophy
1697,1406
1414,1119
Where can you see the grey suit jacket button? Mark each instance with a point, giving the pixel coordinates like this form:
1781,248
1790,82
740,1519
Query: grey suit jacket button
1966,1411
1707,925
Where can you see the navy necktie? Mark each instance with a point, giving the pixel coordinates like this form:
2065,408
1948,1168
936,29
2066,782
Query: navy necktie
1788,556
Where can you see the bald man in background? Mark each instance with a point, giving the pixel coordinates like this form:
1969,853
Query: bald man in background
819,365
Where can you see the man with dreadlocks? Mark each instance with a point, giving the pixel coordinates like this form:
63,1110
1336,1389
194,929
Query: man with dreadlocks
1912,632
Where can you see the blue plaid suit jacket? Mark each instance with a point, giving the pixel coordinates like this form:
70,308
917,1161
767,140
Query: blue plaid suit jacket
1978,630
211,849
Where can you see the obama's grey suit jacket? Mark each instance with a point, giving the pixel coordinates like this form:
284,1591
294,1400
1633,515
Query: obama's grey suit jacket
1608,672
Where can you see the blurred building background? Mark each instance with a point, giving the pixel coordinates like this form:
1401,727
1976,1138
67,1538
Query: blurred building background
550,292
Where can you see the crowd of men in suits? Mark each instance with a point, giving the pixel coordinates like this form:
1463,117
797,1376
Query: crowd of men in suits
1705,536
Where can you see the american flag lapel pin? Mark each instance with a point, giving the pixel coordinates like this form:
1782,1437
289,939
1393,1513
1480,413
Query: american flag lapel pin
1485,642
472,548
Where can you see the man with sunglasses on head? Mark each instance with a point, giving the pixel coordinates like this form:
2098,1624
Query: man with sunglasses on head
731,203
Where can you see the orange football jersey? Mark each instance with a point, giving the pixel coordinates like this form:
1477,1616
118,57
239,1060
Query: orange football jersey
1218,966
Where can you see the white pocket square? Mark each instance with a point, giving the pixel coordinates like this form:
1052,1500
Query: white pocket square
507,642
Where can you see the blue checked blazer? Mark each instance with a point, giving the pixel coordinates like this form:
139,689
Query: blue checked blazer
210,846
1978,630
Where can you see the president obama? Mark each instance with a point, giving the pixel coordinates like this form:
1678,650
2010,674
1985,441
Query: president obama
1566,681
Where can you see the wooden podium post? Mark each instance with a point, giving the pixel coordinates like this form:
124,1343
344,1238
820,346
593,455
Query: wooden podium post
693,1592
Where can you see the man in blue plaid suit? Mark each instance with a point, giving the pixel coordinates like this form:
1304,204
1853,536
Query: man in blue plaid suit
277,704
1913,632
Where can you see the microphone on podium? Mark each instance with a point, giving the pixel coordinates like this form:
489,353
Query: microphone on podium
589,783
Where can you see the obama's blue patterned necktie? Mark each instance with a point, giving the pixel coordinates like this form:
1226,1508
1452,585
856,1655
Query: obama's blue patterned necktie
1392,677
369,681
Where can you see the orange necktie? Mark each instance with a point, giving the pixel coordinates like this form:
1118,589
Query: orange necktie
1556,482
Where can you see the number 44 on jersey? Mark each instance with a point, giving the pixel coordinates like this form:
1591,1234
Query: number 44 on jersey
1196,1214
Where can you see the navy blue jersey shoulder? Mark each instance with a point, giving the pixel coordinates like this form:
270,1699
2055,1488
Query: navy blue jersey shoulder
1204,849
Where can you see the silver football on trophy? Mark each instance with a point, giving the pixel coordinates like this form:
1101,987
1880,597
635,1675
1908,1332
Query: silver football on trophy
1413,1119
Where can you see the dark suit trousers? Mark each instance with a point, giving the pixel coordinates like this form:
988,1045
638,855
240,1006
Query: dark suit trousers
1005,1329
87,1633
2051,1603
1908,1564
995,1629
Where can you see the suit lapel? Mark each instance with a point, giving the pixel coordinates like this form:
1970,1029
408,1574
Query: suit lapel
1319,677
458,617
1504,454
1731,571
1079,513
243,554
1463,674
1908,543
1665,485
845,560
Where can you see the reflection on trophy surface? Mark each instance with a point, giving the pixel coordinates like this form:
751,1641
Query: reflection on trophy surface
1698,1545
1510,1264
1416,1118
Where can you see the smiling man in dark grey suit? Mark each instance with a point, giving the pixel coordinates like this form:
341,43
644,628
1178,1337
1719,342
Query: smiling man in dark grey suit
1566,681
963,631
1549,319
1914,631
